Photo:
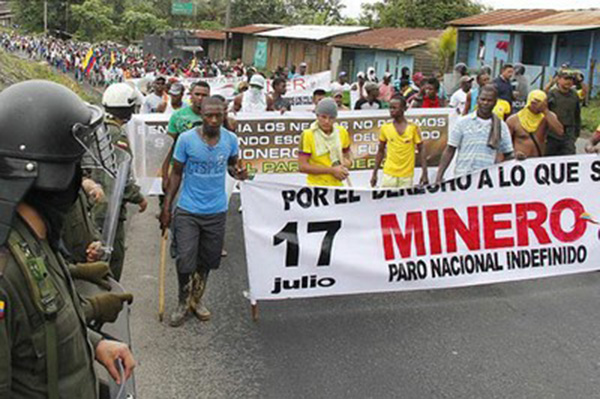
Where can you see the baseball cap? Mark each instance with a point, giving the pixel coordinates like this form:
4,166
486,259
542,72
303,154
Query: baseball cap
371,86
176,89
466,79
303,64
343,73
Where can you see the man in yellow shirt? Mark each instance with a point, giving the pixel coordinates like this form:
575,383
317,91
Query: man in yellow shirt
502,109
325,148
401,138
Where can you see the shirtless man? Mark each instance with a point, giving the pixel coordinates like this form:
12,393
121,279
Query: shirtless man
530,126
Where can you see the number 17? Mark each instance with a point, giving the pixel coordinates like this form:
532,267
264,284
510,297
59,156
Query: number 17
289,234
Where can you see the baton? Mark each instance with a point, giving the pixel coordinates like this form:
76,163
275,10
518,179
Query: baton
161,275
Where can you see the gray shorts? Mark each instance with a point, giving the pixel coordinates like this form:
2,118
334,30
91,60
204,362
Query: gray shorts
199,240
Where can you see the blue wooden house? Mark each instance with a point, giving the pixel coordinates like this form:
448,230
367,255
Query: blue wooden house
542,40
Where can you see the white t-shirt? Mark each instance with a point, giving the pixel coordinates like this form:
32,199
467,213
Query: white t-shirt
458,101
151,104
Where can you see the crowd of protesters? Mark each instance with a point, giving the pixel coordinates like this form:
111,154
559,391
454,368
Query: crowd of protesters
522,123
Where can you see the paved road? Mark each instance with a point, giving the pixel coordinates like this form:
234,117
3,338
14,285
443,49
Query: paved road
536,339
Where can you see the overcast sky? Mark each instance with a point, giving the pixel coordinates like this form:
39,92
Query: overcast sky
353,6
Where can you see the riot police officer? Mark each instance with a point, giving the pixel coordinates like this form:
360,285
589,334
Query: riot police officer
119,101
45,129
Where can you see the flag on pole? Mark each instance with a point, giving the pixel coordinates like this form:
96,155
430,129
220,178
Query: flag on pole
112,58
89,61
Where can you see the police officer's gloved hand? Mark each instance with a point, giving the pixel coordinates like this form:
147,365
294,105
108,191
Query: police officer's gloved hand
94,272
105,308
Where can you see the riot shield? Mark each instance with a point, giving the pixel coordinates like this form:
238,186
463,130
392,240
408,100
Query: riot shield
114,196
150,146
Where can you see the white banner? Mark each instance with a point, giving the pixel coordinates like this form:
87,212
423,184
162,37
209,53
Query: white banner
514,221
299,89
269,142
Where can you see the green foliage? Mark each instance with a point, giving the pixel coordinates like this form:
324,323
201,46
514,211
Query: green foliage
417,13
245,12
14,70
315,12
443,48
29,14
137,24
94,19
590,117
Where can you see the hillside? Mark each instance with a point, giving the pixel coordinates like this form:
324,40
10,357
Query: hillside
14,69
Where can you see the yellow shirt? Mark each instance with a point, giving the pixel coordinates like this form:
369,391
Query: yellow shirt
502,109
307,147
400,158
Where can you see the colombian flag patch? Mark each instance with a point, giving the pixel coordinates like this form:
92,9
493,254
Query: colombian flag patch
2,308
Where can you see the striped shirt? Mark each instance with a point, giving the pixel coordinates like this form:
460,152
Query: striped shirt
470,137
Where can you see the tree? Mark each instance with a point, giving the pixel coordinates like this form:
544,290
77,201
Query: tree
29,14
443,48
245,12
315,12
94,19
137,24
417,13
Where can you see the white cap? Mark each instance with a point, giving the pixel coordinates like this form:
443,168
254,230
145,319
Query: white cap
257,80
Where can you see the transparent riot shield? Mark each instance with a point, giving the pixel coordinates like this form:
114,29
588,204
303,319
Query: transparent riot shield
114,198
150,146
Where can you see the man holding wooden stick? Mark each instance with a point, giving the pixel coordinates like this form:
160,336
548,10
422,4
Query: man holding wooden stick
201,158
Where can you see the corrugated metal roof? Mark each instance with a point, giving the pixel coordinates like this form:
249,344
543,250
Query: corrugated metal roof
312,32
532,28
570,18
253,29
387,38
503,17
5,7
209,34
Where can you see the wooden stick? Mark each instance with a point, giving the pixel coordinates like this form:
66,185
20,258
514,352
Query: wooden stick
161,276
254,308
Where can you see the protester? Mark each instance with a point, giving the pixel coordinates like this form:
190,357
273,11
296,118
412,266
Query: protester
442,91
317,96
459,71
325,154
483,78
400,138
428,98
458,101
521,87
175,103
253,100
338,96
372,75
565,103
184,120
386,90
530,126
302,69
592,145
202,157
503,83
478,138
155,99
359,85
405,89
371,101
276,100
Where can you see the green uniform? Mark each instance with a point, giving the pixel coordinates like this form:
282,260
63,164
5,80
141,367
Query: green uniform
43,343
79,230
132,195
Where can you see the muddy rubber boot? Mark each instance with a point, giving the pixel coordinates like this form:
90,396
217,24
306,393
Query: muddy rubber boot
196,305
180,314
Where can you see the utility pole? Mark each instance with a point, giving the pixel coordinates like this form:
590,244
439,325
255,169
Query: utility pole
226,51
46,17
